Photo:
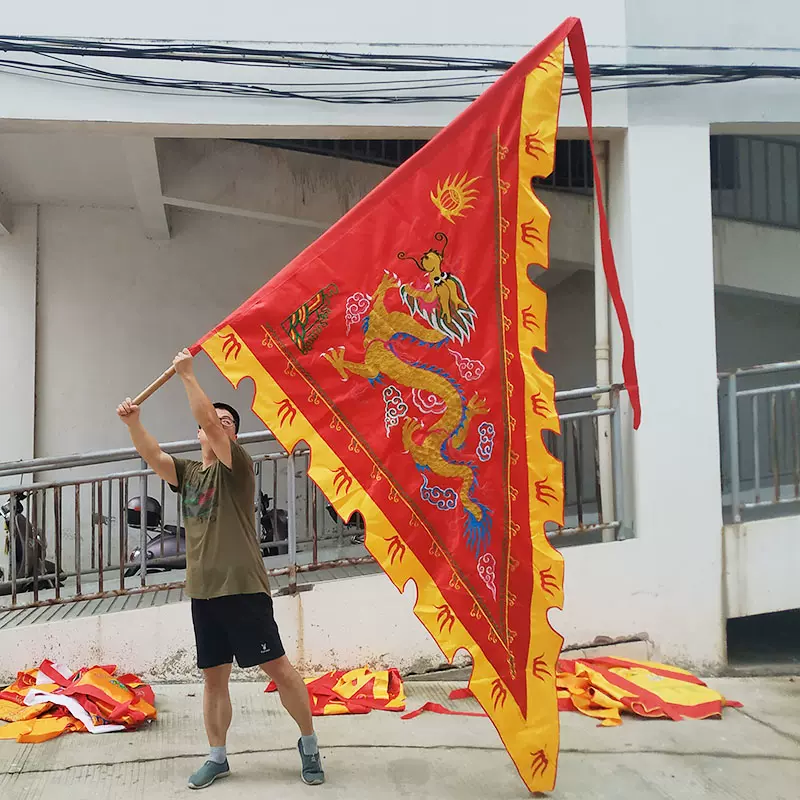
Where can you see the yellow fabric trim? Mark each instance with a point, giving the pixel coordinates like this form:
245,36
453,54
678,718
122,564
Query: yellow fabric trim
538,126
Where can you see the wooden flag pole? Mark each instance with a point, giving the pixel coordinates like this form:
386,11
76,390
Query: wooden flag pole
154,386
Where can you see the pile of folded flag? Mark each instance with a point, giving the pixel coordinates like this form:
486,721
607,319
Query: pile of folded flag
45,702
602,688
355,691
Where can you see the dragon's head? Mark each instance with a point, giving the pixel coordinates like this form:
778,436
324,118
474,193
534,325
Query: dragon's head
432,260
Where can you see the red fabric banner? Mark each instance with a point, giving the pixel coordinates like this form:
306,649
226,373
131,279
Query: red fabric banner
401,347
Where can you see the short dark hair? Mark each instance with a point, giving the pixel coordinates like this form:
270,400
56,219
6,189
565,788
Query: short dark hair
232,411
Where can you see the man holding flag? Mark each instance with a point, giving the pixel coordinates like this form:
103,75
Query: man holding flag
225,574
401,348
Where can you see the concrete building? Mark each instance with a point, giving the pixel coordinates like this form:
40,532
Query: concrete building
134,218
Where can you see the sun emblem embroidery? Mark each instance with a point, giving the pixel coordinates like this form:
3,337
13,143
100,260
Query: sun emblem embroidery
455,196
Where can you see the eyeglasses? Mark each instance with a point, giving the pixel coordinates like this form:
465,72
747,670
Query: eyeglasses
227,422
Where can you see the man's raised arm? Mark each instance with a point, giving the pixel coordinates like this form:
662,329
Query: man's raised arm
148,448
203,409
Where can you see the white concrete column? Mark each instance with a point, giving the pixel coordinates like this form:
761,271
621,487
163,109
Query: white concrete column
18,260
662,232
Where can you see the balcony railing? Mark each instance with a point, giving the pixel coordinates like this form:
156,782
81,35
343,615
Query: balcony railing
756,180
760,436
81,537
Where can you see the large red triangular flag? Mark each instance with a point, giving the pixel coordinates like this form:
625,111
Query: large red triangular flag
400,347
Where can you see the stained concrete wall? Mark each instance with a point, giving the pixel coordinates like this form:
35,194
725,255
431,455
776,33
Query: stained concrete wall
761,566
18,292
611,590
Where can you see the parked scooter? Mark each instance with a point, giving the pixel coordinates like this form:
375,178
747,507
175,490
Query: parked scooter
274,533
167,550
31,564
355,524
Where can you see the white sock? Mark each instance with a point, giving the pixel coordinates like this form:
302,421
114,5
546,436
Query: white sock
309,744
218,755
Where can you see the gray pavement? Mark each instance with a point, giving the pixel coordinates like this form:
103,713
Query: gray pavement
752,752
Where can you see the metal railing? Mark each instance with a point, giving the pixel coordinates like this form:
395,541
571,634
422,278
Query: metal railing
760,436
77,541
592,500
572,170
756,179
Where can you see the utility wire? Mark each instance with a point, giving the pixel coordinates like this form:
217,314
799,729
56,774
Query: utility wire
63,60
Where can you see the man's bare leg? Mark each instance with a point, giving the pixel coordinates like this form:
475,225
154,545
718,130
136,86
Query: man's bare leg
217,715
294,698
292,691
217,709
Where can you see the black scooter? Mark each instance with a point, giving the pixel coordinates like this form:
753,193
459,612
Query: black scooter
355,524
31,565
167,551
274,534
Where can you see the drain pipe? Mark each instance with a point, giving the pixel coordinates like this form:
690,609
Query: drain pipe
602,351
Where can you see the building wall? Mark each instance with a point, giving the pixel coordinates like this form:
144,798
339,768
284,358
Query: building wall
100,281
759,578
18,289
758,180
333,626
714,32
570,332
98,277
616,32
611,590
712,23
114,307
353,26
755,330
757,258
349,21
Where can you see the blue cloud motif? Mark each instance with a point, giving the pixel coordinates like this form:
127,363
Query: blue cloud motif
443,499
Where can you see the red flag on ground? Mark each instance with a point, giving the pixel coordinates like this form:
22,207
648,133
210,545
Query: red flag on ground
400,347
45,702
605,687
355,691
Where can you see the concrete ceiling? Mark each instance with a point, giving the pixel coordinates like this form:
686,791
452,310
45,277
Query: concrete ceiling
88,168
66,168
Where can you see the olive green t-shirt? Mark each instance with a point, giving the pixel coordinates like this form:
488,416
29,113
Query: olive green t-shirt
223,556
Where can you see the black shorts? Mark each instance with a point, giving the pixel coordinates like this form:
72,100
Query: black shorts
240,625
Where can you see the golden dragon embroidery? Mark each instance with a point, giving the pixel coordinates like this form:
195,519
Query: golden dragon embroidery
427,445
444,304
